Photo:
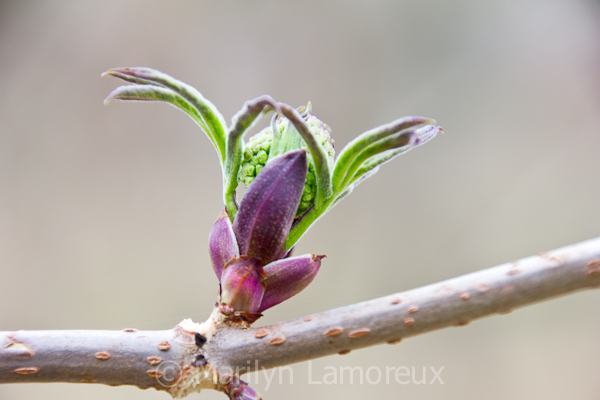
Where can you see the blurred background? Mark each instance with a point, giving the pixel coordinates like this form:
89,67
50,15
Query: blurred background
105,211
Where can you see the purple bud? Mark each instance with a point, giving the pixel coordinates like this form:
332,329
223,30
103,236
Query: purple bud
222,244
243,284
239,390
288,277
269,205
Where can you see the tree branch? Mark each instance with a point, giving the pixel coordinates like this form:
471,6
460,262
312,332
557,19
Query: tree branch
175,361
114,358
454,302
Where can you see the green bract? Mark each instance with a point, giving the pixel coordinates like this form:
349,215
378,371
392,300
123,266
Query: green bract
328,180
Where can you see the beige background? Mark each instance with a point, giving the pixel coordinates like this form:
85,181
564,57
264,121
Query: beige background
105,211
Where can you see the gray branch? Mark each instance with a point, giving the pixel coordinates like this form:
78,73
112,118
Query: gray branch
454,302
114,358
171,361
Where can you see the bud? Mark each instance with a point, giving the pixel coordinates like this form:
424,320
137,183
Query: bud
291,179
265,145
265,274
288,277
222,244
267,209
243,284
237,389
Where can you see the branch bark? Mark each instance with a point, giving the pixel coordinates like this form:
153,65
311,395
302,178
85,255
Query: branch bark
169,360
454,302
127,357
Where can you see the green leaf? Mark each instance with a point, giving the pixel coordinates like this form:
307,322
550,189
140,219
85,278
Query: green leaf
364,165
398,139
156,93
356,146
371,164
206,115
323,175
240,123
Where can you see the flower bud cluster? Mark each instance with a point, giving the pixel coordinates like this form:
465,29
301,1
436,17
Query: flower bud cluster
259,150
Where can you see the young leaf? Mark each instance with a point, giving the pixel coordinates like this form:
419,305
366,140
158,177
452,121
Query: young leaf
371,165
323,174
394,141
356,146
240,123
157,93
423,135
211,121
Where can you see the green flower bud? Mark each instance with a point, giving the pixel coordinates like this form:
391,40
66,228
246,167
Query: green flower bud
265,145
